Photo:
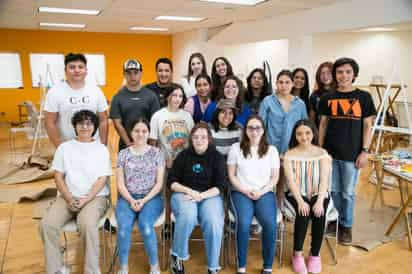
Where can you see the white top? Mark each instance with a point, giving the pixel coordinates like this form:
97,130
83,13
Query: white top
189,86
64,100
253,172
82,164
172,130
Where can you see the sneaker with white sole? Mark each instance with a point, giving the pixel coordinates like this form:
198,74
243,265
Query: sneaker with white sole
63,270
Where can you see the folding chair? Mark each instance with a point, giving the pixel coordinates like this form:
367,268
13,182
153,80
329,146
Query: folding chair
332,215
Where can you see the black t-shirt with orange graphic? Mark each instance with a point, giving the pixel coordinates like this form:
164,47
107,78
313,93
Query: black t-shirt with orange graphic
344,132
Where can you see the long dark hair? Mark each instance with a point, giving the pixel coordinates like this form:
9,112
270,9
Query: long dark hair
263,143
265,87
304,122
304,92
320,87
217,82
215,121
202,60
240,95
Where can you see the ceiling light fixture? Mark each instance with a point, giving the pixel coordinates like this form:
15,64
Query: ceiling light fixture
375,29
236,2
179,18
69,11
62,25
148,29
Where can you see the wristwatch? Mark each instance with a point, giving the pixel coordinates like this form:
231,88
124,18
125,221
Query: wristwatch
365,149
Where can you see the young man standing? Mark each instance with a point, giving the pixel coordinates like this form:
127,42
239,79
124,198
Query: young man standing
132,102
164,70
72,95
345,132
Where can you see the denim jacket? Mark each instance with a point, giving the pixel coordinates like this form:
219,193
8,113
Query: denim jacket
279,124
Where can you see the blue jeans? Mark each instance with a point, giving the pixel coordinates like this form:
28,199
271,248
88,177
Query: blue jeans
265,211
146,217
344,178
209,214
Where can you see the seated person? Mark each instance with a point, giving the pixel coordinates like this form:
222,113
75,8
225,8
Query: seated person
139,174
253,167
82,167
197,179
308,172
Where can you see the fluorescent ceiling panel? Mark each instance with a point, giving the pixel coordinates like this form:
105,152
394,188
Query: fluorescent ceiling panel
179,18
69,11
62,25
236,2
148,29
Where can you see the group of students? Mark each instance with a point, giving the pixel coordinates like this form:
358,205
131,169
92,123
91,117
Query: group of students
223,142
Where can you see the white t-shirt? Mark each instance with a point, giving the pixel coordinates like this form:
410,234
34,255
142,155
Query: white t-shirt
189,86
253,172
64,100
171,130
82,164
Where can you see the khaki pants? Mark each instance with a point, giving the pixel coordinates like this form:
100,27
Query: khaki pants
87,221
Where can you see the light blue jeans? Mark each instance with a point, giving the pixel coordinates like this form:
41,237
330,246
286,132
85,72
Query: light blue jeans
344,178
265,210
146,217
209,214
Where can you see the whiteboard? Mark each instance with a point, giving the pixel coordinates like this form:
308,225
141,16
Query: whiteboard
47,68
96,69
10,71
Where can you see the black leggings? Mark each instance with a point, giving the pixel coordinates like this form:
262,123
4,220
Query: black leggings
301,225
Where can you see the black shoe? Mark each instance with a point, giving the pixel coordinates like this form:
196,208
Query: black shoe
176,265
345,235
108,227
266,272
331,229
212,271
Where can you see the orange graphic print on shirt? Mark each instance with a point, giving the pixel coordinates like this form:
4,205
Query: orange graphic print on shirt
345,109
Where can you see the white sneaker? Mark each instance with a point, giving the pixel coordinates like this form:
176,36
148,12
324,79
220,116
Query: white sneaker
63,270
123,271
157,271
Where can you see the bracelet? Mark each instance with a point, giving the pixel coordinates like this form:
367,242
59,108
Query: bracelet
365,149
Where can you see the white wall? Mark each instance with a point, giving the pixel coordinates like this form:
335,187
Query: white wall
376,53
243,57
343,15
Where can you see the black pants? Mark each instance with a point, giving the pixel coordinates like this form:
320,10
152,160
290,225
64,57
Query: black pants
301,225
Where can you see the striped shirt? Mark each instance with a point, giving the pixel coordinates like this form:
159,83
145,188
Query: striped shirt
306,173
225,138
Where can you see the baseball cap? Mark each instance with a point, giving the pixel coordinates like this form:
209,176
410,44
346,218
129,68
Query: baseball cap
132,64
226,103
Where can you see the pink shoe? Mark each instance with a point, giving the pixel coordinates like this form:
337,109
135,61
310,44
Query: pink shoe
298,265
314,264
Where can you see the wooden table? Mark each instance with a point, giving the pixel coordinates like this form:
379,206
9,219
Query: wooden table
406,201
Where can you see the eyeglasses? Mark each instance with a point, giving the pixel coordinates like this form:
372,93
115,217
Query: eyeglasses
200,137
251,128
86,123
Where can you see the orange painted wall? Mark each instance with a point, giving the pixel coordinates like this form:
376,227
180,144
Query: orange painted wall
116,48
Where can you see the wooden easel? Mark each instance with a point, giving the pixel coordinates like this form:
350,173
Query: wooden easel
386,102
